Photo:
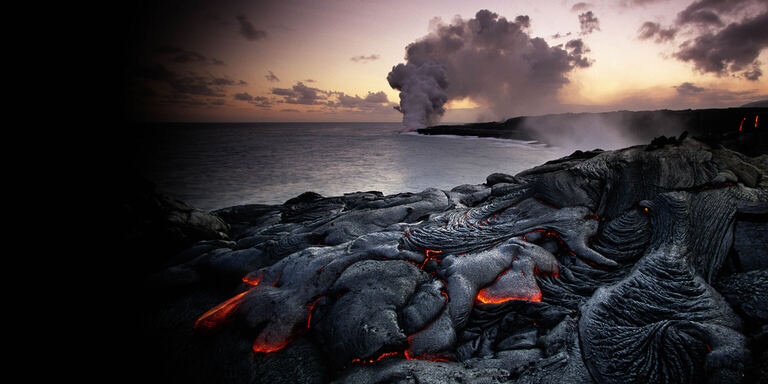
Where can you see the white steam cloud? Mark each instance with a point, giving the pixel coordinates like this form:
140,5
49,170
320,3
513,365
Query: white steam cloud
488,59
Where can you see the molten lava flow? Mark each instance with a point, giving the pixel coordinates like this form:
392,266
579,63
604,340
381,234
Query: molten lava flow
267,348
311,308
410,356
219,314
486,298
429,253
756,121
742,124
253,278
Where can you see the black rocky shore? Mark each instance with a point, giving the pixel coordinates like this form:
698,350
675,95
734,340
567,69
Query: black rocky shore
713,126
647,264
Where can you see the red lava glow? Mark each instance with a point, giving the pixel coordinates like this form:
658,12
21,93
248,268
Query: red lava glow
253,279
268,348
430,256
383,355
708,347
485,298
311,308
645,209
742,124
219,314
410,356
756,121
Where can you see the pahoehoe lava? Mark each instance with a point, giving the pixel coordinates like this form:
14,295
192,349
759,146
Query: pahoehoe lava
645,264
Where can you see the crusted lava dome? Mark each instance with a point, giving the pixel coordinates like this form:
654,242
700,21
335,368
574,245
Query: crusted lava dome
643,265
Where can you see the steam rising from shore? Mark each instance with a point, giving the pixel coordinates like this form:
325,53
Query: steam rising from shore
488,59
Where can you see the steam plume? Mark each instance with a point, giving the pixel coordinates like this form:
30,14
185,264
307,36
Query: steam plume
488,59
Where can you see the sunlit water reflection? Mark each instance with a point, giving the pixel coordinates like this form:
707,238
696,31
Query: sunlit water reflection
217,165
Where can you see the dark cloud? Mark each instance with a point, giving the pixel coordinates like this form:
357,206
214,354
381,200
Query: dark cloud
290,110
688,89
179,55
157,84
247,29
488,59
378,97
692,94
579,7
182,56
271,77
651,30
558,35
372,101
723,37
588,23
259,101
301,94
753,74
364,59
733,49
577,49
245,96
710,12
309,81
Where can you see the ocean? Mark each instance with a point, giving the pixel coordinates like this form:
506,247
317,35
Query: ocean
217,165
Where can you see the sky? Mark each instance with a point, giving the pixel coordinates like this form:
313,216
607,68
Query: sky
426,61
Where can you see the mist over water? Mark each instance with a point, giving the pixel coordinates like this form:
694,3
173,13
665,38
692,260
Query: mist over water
214,166
570,132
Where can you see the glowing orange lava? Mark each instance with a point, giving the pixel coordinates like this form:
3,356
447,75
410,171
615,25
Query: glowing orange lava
410,356
219,314
756,121
742,124
486,298
267,348
429,253
253,279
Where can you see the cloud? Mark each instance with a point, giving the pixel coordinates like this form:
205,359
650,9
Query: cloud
271,77
247,29
182,56
588,23
488,59
720,37
695,95
688,89
733,49
156,83
639,3
259,101
290,110
245,96
364,59
578,7
651,30
301,94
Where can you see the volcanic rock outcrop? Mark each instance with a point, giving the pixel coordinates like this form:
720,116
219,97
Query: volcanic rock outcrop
646,264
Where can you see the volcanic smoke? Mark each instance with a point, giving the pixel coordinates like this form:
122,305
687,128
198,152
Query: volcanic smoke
488,59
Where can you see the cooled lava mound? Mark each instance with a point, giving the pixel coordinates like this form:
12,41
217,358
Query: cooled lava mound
642,265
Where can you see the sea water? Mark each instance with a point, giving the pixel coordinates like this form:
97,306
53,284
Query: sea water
217,165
